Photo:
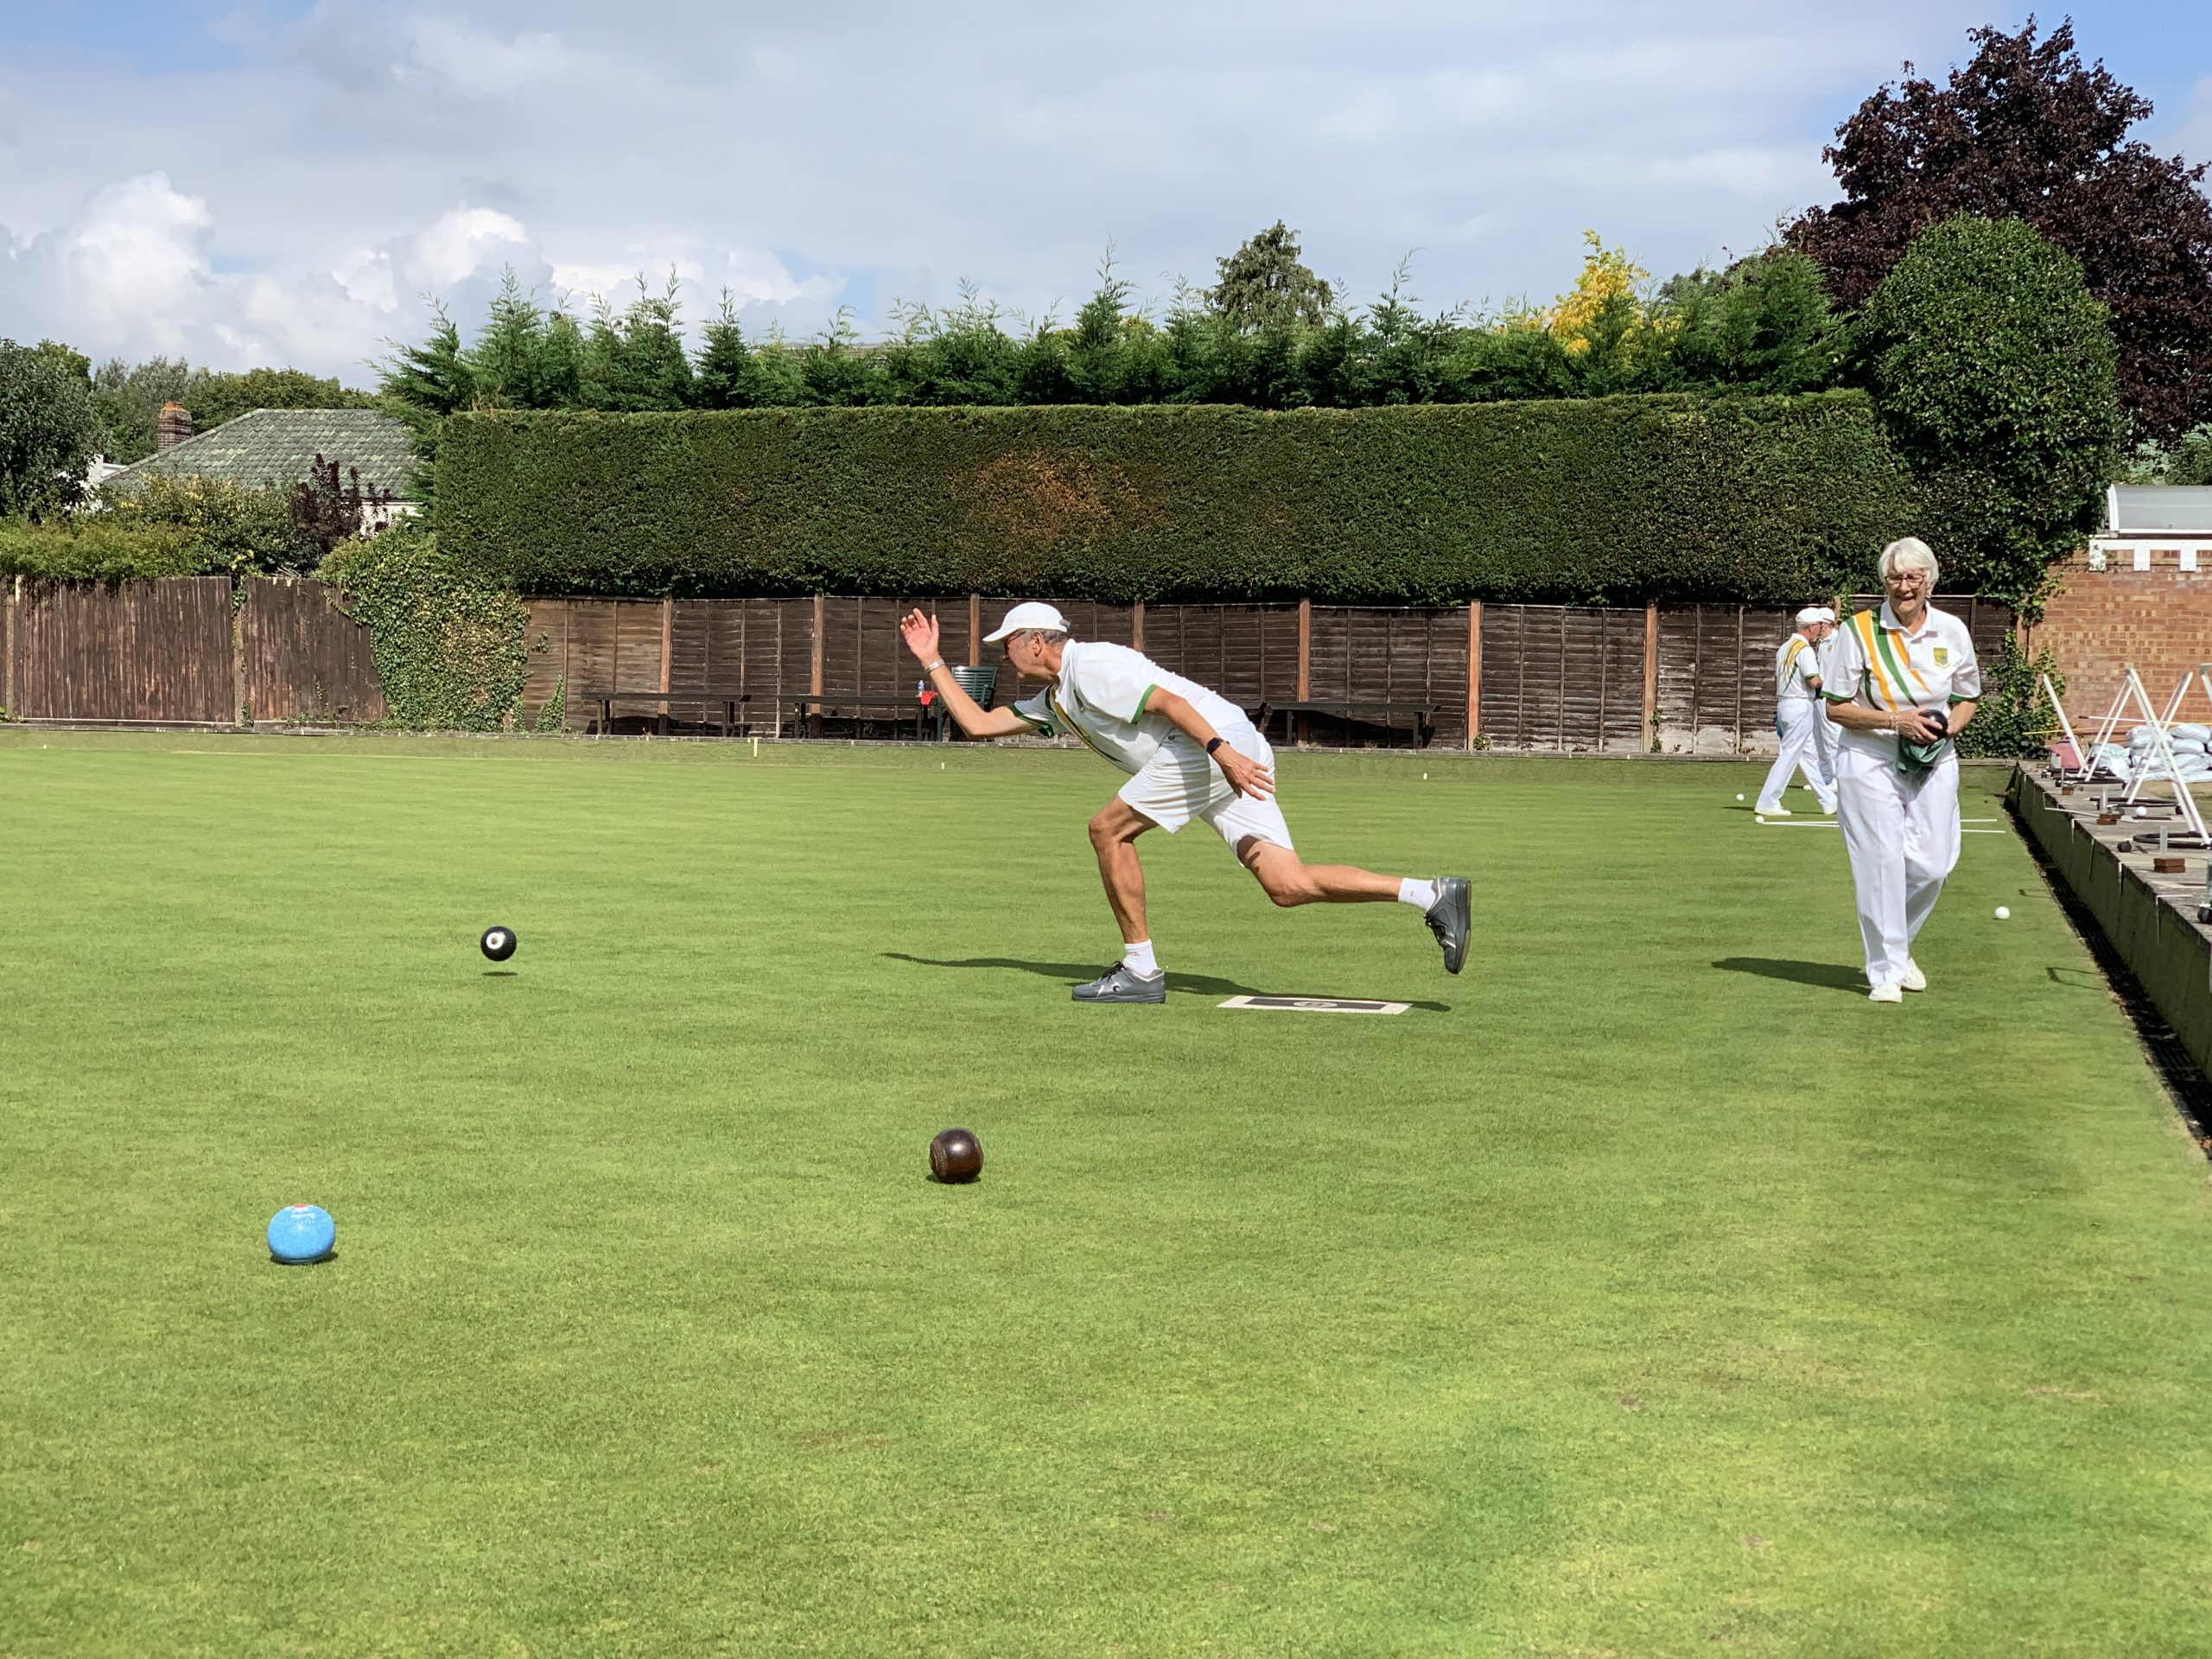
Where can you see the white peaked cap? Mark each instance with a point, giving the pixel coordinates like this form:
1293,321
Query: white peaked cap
1030,613
1811,613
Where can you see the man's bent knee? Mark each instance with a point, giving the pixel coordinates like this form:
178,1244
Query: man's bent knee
1280,872
1116,823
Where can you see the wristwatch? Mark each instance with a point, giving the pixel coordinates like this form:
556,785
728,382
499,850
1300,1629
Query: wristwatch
1213,743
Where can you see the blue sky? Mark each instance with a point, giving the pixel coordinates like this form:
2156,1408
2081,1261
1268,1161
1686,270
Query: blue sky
285,182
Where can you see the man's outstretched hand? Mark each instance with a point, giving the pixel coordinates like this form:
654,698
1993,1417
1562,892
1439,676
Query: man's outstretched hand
919,632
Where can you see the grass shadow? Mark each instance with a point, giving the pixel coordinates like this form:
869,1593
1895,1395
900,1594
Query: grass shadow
1827,976
499,973
1076,974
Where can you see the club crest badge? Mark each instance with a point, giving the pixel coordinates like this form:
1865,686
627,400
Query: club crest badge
1942,656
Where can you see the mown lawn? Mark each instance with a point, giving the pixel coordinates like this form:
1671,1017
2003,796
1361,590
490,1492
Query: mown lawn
1644,1291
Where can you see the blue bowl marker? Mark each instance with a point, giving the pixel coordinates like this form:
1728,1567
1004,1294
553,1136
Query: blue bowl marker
301,1232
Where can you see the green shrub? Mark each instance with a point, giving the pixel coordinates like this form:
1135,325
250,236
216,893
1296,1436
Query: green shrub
160,525
2009,721
94,547
450,649
234,530
1992,368
1620,498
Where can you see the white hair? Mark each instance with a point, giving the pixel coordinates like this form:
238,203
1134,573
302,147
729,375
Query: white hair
1911,553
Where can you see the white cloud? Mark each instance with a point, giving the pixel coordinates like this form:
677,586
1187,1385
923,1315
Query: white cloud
462,242
2194,139
1766,174
366,275
453,56
806,158
757,277
140,248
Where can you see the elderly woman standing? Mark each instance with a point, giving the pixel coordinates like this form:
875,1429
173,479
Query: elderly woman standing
1903,684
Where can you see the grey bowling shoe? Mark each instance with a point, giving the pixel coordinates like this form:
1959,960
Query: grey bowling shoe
1449,919
1119,985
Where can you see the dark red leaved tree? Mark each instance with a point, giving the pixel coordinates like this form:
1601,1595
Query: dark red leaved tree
2024,131
326,510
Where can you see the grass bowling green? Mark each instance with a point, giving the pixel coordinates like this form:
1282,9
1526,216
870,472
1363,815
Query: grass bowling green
1644,1290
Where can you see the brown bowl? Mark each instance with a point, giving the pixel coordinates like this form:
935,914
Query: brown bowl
956,1155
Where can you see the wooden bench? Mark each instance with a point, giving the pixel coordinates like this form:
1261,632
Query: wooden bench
828,705
1367,711
727,700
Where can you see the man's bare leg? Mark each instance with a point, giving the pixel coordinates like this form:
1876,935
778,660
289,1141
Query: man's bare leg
1290,880
1113,835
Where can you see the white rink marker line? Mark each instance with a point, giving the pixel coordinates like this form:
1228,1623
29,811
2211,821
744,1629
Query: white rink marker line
1830,823
1315,1004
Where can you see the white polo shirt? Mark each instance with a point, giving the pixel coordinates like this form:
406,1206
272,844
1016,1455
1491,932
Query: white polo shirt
1879,665
1101,697
1796,666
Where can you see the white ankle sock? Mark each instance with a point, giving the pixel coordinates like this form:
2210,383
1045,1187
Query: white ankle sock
1137,958
1418,893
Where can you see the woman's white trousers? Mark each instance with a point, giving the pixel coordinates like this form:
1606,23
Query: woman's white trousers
1903,835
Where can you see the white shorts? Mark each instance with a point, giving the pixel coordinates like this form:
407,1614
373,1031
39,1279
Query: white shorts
1181,783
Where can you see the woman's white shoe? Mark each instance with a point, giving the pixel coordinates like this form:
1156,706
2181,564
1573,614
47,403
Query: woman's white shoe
1914,979
1886,994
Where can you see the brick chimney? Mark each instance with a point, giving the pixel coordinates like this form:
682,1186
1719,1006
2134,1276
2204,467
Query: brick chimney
174,427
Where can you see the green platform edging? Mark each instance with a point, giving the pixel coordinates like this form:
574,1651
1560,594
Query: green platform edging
2161,945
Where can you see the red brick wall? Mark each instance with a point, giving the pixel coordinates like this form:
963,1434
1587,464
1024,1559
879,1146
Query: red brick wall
2160,619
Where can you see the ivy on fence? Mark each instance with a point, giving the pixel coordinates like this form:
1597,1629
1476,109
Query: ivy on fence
451,649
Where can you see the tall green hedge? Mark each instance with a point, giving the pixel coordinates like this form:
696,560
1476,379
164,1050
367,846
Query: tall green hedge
1591,500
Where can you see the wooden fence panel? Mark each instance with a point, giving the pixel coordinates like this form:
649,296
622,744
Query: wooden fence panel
1444,651
301,658
1553,678
588,655
637,644
1716,676
1358,652
864,657
546,634
1564,678
690,651
1523,653
1249,653
156,651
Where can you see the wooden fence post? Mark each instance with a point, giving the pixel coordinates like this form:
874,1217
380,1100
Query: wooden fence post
1650,676
240,715
1737,676
8,674
1136,626
814,667
667,647
975,630
1474,671
1304,649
